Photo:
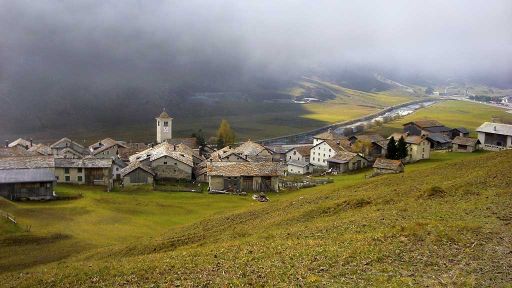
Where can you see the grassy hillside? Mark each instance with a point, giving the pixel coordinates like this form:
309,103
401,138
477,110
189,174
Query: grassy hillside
395,230
452,114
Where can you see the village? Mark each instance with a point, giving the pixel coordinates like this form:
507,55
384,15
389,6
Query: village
30,171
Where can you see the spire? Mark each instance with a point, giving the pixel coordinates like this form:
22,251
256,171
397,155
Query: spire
164,114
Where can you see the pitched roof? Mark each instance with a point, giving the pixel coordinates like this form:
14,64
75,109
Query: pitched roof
134,166
61,153
26,175
217,155
88,162
15,151
249,148
413,139
303,150
66,142
190,142
41,149
178,152
388,164
342,157
298,163
437,129
465,141
104,144
461,129
27,162
329,135
164,115
236,169
495,128
425,123
336,145
21,142
373,138
439,137
397,136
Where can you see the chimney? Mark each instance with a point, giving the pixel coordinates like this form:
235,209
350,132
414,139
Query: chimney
31,142
6,143
174,146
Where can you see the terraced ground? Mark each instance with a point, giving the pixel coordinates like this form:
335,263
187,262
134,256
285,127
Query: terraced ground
444,222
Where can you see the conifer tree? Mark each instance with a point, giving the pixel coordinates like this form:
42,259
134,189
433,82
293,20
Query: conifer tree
401,148
392,150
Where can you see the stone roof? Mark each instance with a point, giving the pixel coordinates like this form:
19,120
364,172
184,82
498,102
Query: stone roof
461,129
249,148
425,123
88,162
134,166
298,163
190,142
236,169
413,139
20,142
68,143
61,153
178,152
465,141
15,151
342,157
41,149
303,150
337,145
329,135
495,128
388,164
104,144
217,155
27,162
373,138
26,175
397,136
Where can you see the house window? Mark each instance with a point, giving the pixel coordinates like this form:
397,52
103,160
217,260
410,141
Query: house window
79,178
165,163
329,150
294,152
79,170
166,124
66,171
67,179
158,123
176,163
57,178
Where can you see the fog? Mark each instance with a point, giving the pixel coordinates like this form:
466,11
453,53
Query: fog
49,49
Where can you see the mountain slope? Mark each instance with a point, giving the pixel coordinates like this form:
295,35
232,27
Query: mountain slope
393,230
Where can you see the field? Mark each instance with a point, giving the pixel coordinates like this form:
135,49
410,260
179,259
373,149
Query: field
394,230
452,114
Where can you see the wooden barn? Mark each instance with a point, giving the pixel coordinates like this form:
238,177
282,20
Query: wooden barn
137,174
244,176
387,166
29,178
464,144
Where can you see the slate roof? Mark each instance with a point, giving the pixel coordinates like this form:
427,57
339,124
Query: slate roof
61,153
249,148
342,157
88,162
15,151
190,142
26,175
303,150
217,155
425,123
337,145
373,138
178,152
134,166
439,138
27,162
236,169
68,143
388,164
21,142
495,128
329,135
462,130
413,139
298,163
465,141
104,144
41,149
437,129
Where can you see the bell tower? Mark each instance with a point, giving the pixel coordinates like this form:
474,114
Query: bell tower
163,127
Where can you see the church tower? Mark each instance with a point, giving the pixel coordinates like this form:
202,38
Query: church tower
163,127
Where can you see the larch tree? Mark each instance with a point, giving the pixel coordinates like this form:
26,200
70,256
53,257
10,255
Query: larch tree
225,135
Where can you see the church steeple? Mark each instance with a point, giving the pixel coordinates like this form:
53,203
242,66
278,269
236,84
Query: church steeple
163,127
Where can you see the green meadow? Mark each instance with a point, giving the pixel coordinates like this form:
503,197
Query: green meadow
444,222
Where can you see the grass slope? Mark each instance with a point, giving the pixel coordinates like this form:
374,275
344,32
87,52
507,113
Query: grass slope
394,230
452,114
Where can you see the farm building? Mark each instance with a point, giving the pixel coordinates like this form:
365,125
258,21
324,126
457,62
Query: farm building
459,131
137,173
495,136
244,176
425,127
464,144
299,167
66,148
439,141
29,177
278,152
89,170
346,161
387,166
106,148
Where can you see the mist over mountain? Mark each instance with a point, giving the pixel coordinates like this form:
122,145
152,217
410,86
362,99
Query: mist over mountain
90,63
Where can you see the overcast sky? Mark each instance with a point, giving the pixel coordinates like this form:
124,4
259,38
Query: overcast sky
105,42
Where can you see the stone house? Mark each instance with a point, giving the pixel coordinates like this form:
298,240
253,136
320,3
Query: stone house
253,152
28,177
464,144
345,161
495,136
137,173
299,154
89,171
299,167
244,176
387,166
418,148
106,148
66,148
